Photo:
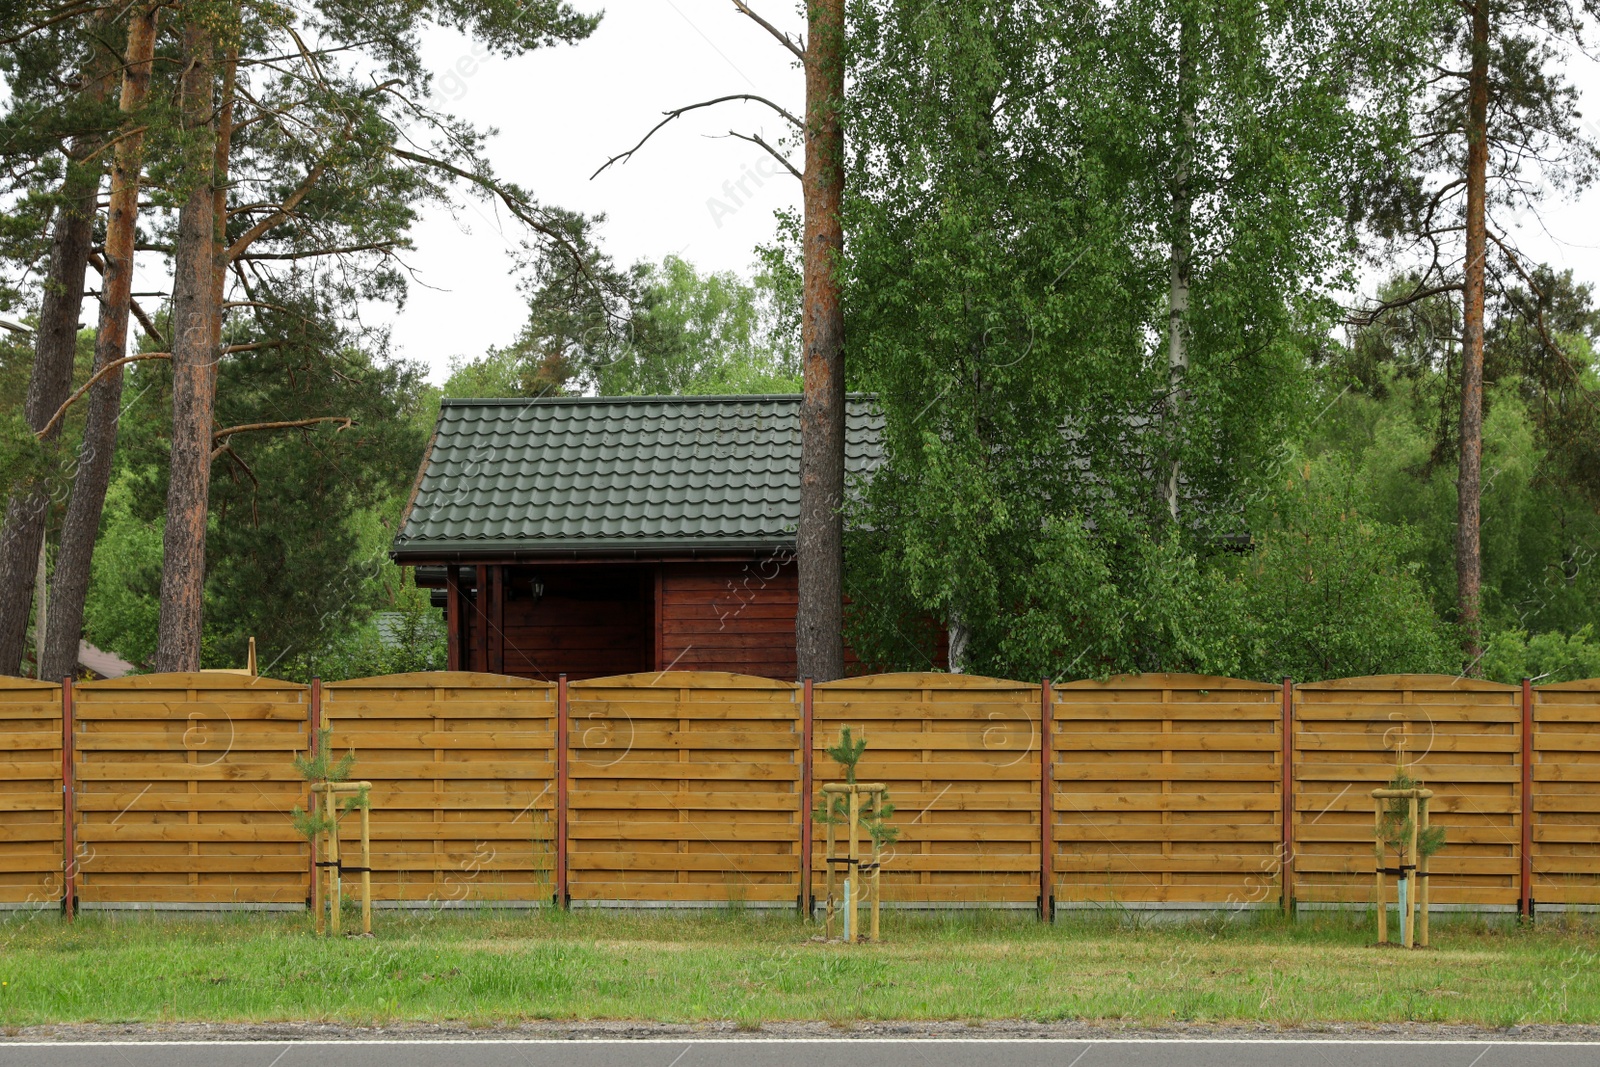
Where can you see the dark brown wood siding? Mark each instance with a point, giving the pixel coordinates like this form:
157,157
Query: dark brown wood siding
729,617
590,622
594,620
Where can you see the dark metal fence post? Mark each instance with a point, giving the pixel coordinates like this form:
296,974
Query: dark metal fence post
1047,837
806,722
1286,860
561,792
69,839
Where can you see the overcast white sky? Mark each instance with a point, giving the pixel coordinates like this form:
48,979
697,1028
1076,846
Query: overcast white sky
561,113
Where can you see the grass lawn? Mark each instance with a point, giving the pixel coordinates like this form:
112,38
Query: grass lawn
749,969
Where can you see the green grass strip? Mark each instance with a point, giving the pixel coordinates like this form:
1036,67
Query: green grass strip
741,967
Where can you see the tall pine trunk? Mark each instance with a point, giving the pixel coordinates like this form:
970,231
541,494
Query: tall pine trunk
74,559
194,356
54,355
1181,255
1469,559
819,540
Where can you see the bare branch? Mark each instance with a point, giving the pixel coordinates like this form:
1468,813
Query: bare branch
680,112
1370,315
517,206
1533,287
253,346
383,246
279,216
220,439
755,138
797,47
111,143
99,264
86,386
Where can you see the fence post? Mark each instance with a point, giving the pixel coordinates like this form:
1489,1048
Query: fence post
314,725
69,840
806,722
1286,860
561,791
1525,903
1047,837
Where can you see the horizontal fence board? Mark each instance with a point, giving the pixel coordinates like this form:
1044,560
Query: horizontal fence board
32,832
684,787
720,752
961,760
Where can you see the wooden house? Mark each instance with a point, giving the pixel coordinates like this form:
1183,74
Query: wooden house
597,536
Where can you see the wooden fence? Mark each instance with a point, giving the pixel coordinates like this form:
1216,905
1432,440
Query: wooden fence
183,784
1463,738
461,770
695,788
1168,791
1562,769
961,758
683,788
31,838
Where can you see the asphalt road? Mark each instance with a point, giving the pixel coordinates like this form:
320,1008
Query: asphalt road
810,1053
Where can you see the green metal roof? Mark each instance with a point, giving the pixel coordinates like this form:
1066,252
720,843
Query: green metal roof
598,475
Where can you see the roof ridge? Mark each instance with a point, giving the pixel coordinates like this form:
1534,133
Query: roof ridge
539,401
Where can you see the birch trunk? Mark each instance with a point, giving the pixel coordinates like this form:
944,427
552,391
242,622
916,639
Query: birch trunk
959,638
1182,258
81,526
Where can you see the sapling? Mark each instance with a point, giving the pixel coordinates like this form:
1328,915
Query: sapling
320,769
847,753
325,774
1394,831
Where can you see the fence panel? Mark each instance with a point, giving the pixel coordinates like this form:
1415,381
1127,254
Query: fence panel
462,771
684,789
1566,794
1461,737
31,837
1168,790
184,787
961,758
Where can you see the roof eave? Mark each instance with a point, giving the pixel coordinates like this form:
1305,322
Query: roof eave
423,553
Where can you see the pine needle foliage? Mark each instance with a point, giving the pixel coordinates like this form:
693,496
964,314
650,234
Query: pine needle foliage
1394,831
319,767
847,752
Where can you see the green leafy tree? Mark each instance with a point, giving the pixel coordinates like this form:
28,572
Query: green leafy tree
295,555
656,329
1329,591
1512,655
1089,258
1391,398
